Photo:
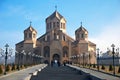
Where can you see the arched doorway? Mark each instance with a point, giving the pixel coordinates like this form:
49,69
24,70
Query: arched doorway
56,57
56,60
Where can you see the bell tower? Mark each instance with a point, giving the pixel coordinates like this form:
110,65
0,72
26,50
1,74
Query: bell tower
81,33
30,35
55,22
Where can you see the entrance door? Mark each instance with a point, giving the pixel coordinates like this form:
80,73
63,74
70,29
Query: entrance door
56,60
56,57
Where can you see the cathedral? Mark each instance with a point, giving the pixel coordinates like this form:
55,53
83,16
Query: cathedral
55,44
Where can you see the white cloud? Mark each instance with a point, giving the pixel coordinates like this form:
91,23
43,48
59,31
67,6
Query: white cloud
109,35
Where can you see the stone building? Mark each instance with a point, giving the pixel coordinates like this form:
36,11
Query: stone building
55,44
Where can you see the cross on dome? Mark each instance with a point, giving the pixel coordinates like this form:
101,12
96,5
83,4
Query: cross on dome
30,23
55,7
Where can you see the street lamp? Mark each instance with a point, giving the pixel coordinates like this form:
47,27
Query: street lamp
83,59
78,59
19,56
33,59
98,58
88,60
6,55
113,52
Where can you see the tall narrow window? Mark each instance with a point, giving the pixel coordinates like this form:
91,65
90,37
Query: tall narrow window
50,25
54,36
57,36
34,36
30,35
82,35
63,38
25,35
53,24
57,24
46,38
61,25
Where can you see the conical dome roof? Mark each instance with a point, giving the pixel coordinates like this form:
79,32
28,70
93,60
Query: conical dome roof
55,14
81,28
30,28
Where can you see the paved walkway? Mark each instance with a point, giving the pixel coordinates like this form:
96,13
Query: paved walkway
97,74
22,74
61,73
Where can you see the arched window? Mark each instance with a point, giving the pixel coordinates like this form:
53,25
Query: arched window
50,25
34,35
46,51
30,35
57,24
54,36
65,51
82,35
63,25
25,35
53,24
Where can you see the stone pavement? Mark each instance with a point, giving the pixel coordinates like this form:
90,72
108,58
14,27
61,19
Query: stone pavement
24,74
100,75
61,73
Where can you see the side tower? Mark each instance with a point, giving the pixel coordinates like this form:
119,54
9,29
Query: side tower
29,38
84,47
81,34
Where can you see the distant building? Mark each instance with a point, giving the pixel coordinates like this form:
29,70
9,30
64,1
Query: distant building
55,44
107,58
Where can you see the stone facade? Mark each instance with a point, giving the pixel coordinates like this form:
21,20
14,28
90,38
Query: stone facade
55,44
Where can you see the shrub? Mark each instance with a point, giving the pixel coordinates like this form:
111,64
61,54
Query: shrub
110,68
8,68
94,66
14,67
25,66
1,69
18,67
119,69
103,67
22,66
90,65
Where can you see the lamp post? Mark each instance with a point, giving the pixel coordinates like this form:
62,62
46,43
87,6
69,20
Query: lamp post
98,58
113,52
6,55
19,58
83,59
33,59
88,61
78,59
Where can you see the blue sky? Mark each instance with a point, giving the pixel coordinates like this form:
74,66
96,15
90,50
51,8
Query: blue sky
100,17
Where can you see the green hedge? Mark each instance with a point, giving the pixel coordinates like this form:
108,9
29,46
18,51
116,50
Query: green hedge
119,69
110,68
1,69
103,67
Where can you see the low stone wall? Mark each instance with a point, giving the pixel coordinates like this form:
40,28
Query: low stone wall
34,73
109,61
88,75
